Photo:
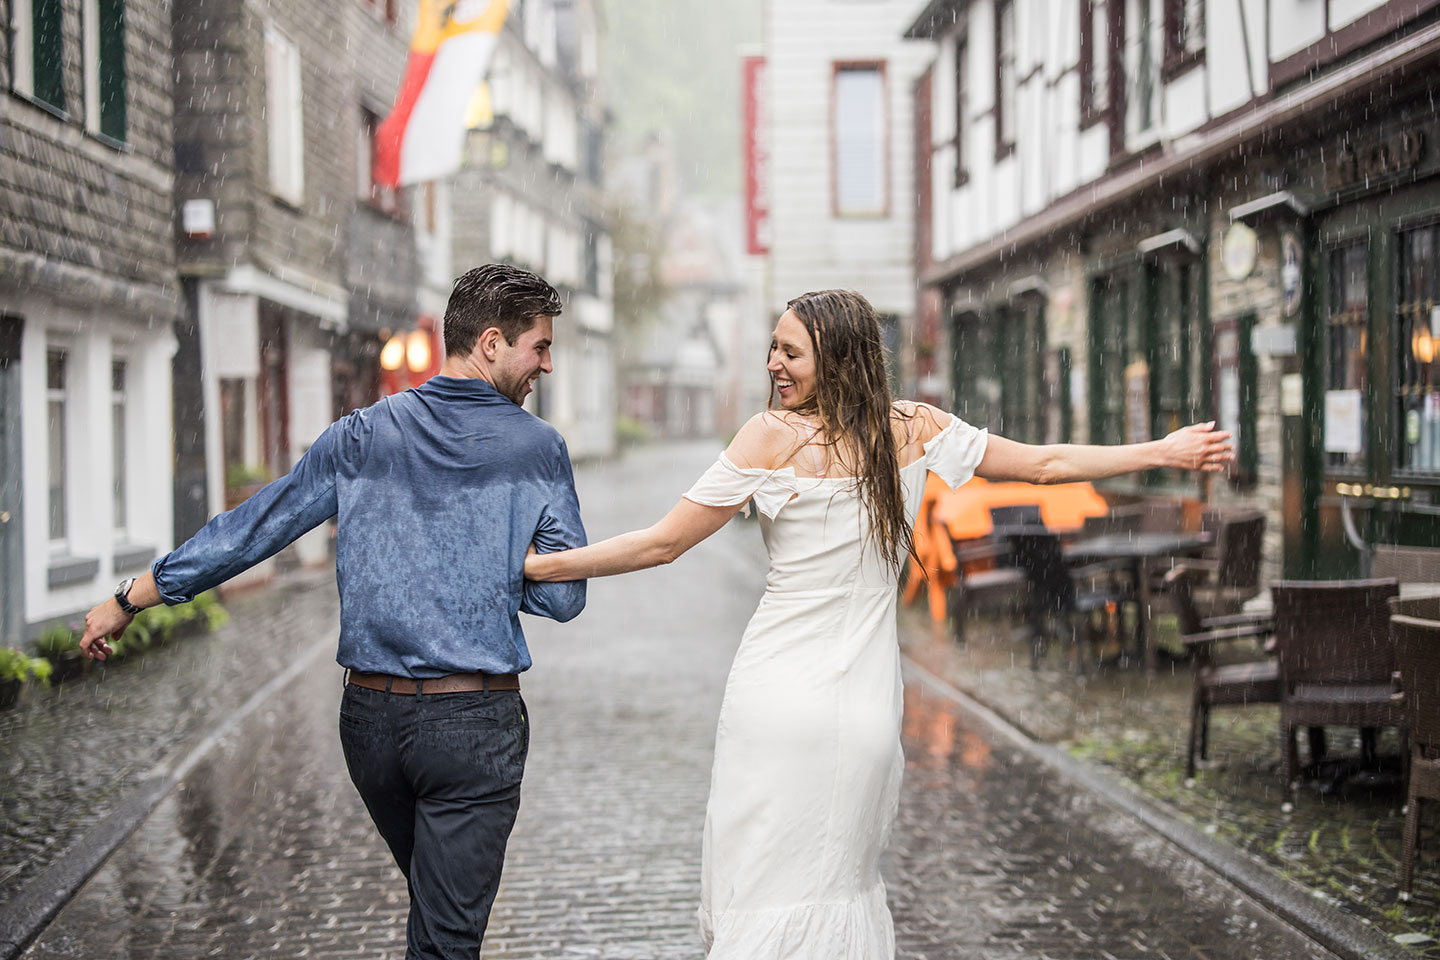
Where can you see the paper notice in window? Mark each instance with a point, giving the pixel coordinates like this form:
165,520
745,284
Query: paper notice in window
1344,421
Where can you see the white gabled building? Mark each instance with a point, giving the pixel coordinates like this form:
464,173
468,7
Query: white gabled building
840,83
1141,213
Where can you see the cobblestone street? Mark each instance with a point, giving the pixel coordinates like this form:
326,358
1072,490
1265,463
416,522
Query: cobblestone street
265,849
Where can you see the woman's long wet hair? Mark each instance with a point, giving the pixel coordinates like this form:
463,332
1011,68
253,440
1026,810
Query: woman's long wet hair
852,404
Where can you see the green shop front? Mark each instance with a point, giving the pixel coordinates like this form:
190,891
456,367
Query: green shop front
1362,434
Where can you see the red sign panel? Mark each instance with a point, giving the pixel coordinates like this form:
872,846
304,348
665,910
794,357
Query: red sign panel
757,155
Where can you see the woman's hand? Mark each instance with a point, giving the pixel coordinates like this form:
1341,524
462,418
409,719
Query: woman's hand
1199,447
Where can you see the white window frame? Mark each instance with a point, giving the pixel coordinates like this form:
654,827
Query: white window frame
842,207
65,396
90,54
285,124
22,48
121,449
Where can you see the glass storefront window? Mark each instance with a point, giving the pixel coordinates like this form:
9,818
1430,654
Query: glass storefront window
1345,339
1417,337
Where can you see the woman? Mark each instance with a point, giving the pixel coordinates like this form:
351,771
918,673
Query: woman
807,755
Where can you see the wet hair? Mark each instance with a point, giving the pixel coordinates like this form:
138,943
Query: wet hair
852,403
496,295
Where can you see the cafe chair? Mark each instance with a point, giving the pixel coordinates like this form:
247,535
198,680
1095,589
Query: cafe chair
1058,592
1406,564
1337,661
1016,515
1417,652
1233,566
1234,663
1002,583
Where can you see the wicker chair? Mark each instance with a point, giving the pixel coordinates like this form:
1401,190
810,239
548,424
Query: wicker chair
1406,564
1417,651
1016,515
1337,660
1220,680
1056,590
1234,567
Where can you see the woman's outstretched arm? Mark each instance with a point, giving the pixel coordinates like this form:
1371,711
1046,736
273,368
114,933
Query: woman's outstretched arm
1196,447
761,443
684,526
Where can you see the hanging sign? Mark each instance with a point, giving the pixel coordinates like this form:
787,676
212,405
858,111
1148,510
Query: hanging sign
1238,251
1290,274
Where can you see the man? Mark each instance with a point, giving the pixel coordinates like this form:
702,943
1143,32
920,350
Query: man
439,491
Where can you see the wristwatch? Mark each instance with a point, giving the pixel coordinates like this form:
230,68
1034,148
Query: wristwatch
122,596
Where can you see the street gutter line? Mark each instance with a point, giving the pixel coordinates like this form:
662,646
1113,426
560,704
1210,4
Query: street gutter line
1291,903
25,917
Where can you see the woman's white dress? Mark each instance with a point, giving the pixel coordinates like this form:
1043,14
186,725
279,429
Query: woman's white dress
807,754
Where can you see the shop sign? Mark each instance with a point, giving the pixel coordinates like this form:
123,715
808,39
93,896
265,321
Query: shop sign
1344,421
1364,163
1290,274
1238,251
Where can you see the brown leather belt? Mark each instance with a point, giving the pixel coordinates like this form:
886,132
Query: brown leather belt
453,683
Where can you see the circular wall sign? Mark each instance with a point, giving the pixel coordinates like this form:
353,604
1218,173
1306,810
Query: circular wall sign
1290,273
1239,251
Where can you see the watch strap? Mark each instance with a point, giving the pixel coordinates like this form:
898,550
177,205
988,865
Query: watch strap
122,597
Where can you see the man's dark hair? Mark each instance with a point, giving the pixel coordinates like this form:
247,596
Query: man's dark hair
495,295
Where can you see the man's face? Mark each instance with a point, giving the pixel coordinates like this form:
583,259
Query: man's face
518,365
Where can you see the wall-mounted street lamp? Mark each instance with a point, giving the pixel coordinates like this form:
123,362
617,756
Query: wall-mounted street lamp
392,355
417,351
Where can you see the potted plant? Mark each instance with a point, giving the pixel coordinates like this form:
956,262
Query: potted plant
60,645
243,482
15,669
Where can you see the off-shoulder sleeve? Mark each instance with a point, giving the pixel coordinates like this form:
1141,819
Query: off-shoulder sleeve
955,452
726,485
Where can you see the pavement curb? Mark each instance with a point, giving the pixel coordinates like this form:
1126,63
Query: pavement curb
26,916
1336,931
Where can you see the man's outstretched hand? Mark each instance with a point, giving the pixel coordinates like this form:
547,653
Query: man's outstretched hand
106,621
1199,447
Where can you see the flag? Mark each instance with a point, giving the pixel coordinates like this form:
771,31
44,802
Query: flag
423,138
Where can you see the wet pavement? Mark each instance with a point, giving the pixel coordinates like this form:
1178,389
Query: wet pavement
265,849
1341,841
68,755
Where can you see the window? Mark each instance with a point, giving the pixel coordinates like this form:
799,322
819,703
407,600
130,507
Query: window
105,68
1019,360
1345,328
858,141
1236,384
1094,60
1006,83
962,106
1184,34
284,127
1145,78
55,400
37,50
1417,335
383,198
117,429
1117,360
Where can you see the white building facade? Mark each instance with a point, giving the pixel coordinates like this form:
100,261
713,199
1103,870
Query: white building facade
839,105
532,193
1143,213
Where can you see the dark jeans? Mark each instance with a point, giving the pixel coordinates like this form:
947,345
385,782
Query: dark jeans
440,775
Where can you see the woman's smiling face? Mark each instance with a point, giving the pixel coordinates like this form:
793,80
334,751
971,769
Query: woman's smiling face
792,361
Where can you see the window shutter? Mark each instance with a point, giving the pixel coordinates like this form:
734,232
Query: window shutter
112,68
48,52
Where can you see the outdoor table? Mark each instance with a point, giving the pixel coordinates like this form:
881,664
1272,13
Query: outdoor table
1142,551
